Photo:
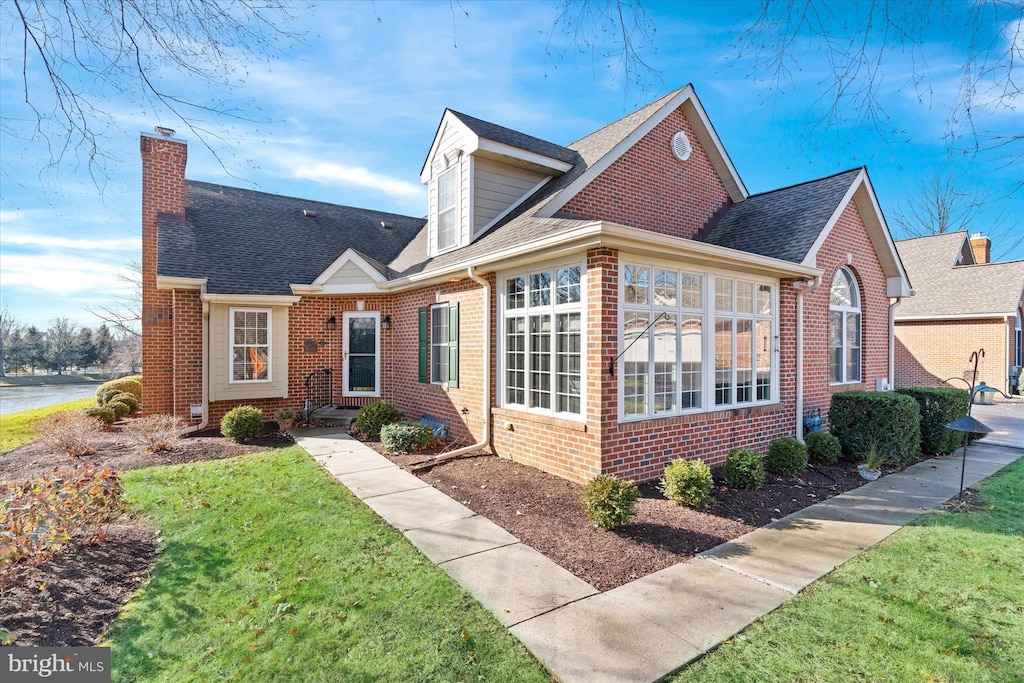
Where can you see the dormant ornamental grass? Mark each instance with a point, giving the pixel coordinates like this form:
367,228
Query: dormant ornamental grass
272,571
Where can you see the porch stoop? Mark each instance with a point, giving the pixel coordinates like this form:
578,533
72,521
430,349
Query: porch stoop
338,417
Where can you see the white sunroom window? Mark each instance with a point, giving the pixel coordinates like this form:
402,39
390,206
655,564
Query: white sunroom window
543,340
694,341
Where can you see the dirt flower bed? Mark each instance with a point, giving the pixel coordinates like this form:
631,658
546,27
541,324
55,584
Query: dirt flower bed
544,511
70,600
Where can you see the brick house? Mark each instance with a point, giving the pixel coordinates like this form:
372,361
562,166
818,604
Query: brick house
962,303
603,306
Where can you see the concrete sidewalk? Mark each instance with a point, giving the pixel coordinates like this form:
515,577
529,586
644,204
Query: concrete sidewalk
644,630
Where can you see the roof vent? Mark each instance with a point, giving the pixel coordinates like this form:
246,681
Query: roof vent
309,213
386,225
681,146
164,132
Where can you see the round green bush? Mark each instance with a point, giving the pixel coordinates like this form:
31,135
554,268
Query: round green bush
241,423
892,420
127,399
120,409
372,417
823,448
105,414
688,482
125,384
744,469
402,437
786,456
609,501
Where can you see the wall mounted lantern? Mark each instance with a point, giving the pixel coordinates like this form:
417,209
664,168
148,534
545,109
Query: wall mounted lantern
385,322
331,323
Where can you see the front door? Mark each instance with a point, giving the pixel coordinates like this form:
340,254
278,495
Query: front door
361,365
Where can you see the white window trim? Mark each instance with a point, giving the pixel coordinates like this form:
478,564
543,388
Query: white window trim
232,345
708,314
447,305
456,170
553,309
845,310
345,345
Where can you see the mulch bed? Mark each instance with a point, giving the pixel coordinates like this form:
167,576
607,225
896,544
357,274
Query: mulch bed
545,512
70,600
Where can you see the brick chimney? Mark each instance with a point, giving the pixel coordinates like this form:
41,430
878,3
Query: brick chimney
163,191
982,247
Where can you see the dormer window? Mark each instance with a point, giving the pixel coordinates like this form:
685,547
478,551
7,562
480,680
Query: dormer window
447,209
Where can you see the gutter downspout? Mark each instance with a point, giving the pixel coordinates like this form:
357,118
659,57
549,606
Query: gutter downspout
205,365
802,286
485,440
892,342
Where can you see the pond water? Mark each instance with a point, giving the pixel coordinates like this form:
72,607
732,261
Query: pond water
13,399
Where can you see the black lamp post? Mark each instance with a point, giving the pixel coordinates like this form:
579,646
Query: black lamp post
968,424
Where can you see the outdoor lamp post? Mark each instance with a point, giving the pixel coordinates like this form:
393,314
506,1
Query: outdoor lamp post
966,424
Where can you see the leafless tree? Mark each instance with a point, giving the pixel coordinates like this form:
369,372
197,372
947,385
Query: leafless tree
945,203
855,41
8,326
615,34
124,313
74,56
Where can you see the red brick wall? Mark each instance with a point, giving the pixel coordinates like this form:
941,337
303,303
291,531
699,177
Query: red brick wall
847,245
163,191
928,352
648,187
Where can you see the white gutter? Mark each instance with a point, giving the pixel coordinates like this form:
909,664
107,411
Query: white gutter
205,365
485,440
802,286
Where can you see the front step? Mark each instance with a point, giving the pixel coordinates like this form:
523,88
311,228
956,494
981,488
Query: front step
332,415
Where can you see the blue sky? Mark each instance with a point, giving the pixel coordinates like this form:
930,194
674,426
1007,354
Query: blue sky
348,117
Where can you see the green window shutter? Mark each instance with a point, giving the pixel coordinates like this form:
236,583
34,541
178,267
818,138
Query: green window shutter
453,345
424,347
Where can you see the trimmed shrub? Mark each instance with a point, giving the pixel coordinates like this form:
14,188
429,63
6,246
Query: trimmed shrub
125,384
73,432
402,437
744,469
127,399
372,417
822,448
104,397
104,414
939,406
242,423
608,501
155,433
120,409
892,420
786,456
688,482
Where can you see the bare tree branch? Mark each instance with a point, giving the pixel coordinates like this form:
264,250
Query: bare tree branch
125,313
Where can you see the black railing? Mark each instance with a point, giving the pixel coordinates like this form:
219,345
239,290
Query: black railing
319,390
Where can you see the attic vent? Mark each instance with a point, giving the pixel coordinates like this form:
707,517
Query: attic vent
681,146
386,225
309,213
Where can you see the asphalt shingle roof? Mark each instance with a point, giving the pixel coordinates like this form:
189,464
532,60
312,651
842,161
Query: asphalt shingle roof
942,289
248,242
783,223
492,131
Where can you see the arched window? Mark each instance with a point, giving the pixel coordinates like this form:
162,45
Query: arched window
844,331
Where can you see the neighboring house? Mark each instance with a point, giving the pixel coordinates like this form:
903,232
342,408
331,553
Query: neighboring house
600,307
962,303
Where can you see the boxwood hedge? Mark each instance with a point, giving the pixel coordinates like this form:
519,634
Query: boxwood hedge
890,420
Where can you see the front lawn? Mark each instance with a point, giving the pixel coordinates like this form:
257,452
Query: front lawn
18,429
273,571
942,600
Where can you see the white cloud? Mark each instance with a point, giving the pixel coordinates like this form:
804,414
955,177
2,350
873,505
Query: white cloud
61,274
326,172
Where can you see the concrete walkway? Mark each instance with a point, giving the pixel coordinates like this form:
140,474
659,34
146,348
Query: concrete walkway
644,630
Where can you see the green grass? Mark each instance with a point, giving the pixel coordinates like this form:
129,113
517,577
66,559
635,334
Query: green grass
17,429
942,600
272,571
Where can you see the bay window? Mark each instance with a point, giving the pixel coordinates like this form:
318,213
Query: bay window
542,358
669,366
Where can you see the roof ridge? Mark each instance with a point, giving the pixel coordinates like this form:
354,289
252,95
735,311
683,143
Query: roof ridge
498,125
938,234
658,101
807,182
298,199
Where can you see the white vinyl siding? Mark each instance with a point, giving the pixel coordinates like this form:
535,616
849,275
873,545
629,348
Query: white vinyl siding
496,187
448,159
